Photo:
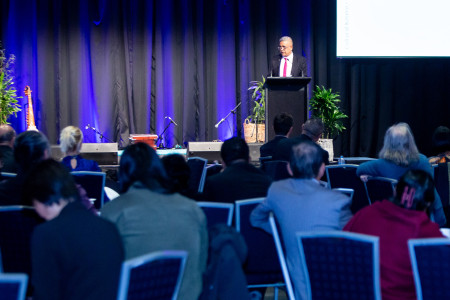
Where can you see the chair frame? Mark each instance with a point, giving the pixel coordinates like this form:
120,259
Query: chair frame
20,278
281,257
346,191
412,243
393,183
347,235
102,174
220,205
129,265
203,176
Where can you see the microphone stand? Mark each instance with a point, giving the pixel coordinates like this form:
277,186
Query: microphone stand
99,133
233,111
161,145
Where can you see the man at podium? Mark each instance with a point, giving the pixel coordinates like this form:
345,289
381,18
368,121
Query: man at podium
286,64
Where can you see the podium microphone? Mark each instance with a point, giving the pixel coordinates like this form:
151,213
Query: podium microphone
171,120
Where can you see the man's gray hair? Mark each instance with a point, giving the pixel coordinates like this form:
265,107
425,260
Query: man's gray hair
285,38
399,146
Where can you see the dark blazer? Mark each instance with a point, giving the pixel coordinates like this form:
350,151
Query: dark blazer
268,149
298,66
237,182
77,255
284,148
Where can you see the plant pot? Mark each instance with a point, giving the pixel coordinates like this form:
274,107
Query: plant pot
250,132
327,144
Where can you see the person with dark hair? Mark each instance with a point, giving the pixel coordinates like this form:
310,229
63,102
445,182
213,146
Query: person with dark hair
302,204
312,130
76,254
7,138
396,221
282,125
178,172
398,155
150,217
441,145
239,179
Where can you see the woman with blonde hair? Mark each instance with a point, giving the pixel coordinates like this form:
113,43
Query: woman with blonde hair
71,139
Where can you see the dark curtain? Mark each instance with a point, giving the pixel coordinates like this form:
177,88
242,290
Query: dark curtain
123,66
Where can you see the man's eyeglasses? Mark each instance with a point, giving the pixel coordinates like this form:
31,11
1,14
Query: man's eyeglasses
282,47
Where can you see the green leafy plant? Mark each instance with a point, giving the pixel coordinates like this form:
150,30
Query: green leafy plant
8,94
324,105
259,98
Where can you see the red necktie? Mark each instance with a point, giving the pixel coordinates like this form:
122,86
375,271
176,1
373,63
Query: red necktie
285,67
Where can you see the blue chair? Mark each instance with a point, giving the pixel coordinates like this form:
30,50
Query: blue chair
156,275
348,192
281,257
13,286
94,184
340,265
276,169
262,268
344,176
431,267
197,166
379,188
217,213
6,175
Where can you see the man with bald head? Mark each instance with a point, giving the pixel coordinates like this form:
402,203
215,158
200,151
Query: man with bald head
7,138
286,64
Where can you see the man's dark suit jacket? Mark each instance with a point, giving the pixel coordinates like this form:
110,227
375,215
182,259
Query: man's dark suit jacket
238,181
284,148
298,66
268,149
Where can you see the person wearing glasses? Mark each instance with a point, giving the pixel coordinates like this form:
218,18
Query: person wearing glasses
287,64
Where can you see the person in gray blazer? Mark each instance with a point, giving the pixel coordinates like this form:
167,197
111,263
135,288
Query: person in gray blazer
302,204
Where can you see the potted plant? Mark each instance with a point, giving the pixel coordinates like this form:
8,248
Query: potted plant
8,94
254,125
324,105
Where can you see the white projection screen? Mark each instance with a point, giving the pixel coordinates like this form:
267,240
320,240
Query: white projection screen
393,28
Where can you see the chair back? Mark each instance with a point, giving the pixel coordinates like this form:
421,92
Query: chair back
379,188
430,266
197,175
217,213
441,181
93,183
17,224
152,276
13,286
340,265
281,257
344,176
6,175
262,267
276,169
348,192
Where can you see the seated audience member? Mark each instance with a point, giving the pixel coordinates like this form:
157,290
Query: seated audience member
441,145
282,125
398,155
396,221
75,255
178,173
239,179
71,139
152,218
7,138
312,130
302,204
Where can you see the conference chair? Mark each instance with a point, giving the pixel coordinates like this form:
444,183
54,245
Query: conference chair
93,183
197,174
262,268
281,257
156,275
431,267
344,176
217,213
276,169
379,188
441,181
340,265
13,286
6,175
347,192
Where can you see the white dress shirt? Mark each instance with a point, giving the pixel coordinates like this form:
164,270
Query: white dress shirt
290,59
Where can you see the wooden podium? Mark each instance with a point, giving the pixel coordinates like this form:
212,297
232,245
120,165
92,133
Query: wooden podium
286,94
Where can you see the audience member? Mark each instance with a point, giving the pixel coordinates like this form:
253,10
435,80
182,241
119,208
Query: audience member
7,138
398,155
239,179
152,218
71,139
302,204
178,172
312,130
282,125
75,255
395,222
441,145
